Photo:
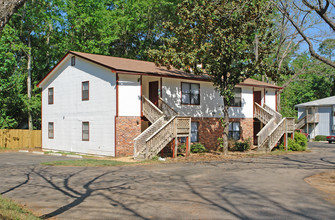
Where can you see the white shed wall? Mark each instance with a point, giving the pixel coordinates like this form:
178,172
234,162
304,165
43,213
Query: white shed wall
129,95
69,111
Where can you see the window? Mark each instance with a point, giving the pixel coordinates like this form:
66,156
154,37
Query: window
190,93
194,131
51,130
85,91
73,60
86,131
51,96
236,101
234,130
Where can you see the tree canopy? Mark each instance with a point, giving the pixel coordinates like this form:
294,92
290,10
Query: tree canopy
227,40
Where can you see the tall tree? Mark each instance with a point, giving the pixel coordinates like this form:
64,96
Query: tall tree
321,10
227,40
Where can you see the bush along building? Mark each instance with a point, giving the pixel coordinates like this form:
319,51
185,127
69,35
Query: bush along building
114,106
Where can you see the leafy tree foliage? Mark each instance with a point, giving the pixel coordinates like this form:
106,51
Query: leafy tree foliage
316,82
41,32
228,40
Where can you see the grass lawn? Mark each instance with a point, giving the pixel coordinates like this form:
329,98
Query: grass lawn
11,210
87,163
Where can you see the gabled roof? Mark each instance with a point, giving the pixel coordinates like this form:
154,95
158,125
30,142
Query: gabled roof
320,102
140,67
253,82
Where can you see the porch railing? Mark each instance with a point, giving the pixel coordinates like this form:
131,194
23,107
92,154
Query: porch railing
276,114
140,141
301,123
150,111
167,110
262,114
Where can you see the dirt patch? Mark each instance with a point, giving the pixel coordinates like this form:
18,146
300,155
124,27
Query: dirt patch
219,156
324,182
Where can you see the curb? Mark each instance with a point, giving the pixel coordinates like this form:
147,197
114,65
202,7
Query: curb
74,156
38,152
55,154
23,151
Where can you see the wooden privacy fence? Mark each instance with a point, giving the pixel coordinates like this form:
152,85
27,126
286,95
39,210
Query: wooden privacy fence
17,138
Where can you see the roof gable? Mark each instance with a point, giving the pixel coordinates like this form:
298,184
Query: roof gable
320,102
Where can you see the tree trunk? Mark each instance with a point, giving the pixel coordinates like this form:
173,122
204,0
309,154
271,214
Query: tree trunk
225,127
7,9
30,118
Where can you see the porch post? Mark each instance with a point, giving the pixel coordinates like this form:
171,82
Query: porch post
188,140
187,146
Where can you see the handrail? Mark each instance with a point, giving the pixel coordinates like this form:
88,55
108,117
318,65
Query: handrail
170,112
140,140
152,104
151,111
290,124
276,132
263,134
276,114
166,124
160,138
301,122
262,114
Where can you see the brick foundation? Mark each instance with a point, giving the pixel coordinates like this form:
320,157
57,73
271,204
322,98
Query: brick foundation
210,130
127,128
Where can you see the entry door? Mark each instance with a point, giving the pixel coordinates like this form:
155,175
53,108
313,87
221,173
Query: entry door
257,123
153,92
257,128
258,97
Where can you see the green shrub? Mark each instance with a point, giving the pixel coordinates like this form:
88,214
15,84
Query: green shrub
320,138
298,144
198,148
241,145
301,139
182,148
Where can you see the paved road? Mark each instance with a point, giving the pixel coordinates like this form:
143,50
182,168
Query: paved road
251,188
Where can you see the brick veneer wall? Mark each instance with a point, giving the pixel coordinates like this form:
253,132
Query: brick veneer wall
127,128
210,129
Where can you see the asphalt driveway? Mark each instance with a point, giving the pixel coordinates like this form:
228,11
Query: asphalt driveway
250,188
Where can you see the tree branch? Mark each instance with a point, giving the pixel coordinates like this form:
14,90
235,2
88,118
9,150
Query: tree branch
322,12
306,39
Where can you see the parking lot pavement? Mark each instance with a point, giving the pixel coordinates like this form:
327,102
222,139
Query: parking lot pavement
255,188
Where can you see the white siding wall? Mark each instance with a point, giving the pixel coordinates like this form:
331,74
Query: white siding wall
270,98
324,125
211,102
69,111
129,95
